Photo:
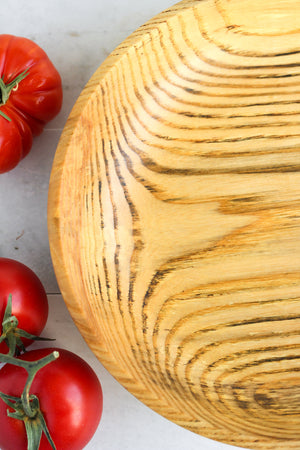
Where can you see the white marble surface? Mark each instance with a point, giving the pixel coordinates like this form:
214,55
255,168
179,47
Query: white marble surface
77,35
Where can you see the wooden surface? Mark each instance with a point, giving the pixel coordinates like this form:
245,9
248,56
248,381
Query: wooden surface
174,218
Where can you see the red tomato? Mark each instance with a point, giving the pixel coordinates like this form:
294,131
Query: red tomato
29,299
70,397
27,104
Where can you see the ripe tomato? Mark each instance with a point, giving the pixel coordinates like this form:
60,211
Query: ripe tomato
29,298
70,397
30,96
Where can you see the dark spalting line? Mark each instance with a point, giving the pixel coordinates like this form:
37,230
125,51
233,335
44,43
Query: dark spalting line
211,347
88,203
212,105
214,345
248,416
210,84
106,275
102,224
243,32
137,243
223,126
154,97
207,311
268,403
245,95
159,276
234,116
256,320
206,140
203,141
100,163
155,167
91,200
250,413
200,292
168,138
220,64
230,50
115,225
174,380
154,189
138,247
239,368
222,106
235,357
134,215
242,403
146,183
151,27
241,138
244,77
266,319
238,396
159,169
219,154
214,64
151,165
200,92
175,264
115,222
257,77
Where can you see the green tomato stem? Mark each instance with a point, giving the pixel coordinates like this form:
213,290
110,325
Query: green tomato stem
12,335
6,89
27,407
32,367
32,370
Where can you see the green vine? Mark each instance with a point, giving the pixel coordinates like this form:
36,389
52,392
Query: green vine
26,407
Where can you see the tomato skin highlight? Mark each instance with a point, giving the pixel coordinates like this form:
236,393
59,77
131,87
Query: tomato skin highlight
70,396
29,298
35,101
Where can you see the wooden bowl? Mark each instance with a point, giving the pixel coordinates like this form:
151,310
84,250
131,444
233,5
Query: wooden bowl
174,218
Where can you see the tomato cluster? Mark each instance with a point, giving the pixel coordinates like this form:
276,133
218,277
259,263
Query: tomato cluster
68,390
49,397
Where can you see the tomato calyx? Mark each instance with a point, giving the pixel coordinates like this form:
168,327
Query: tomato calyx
12,335
27,407
34,426
6,89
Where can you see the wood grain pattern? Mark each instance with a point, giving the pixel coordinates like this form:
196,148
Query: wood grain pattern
174,218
